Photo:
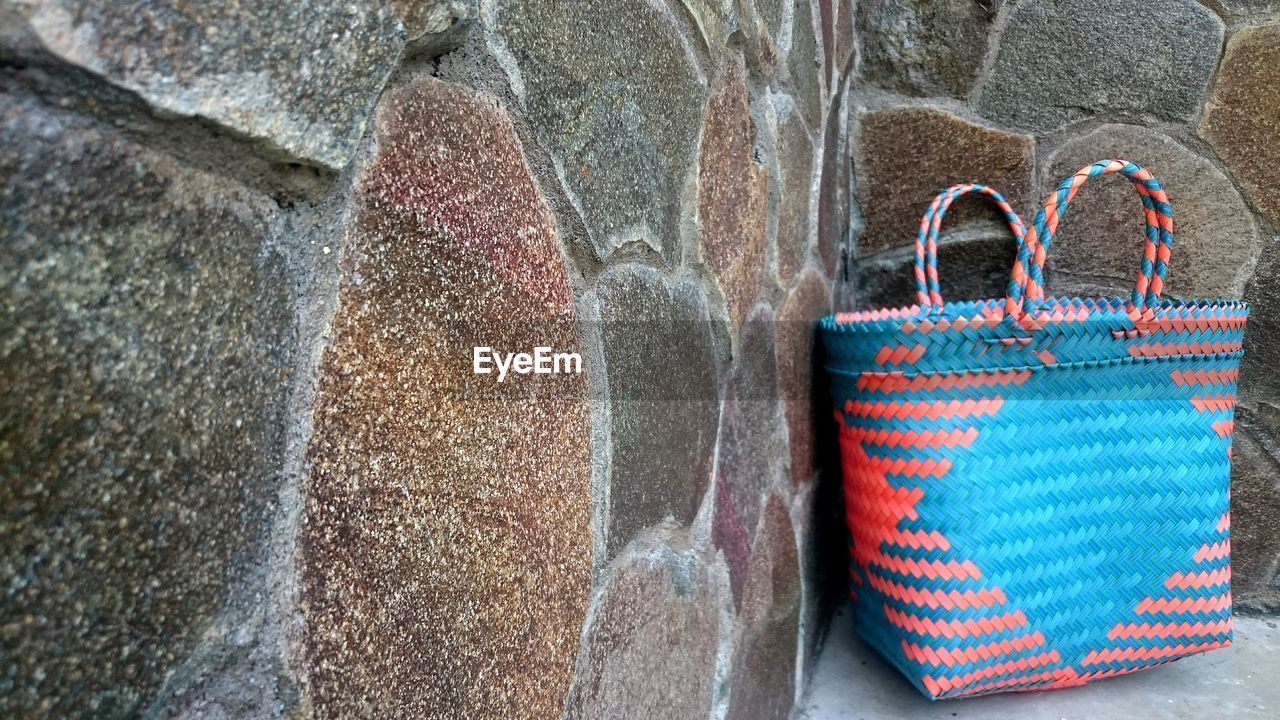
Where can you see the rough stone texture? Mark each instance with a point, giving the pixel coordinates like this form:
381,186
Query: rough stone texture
1249,7
1255,508
833,192
1101,238
447,521
925,47
906,155
1258,377
795,158
711,18
732,195
844,35
146,334
651,651
969,268
662,399
804,66
1242,119
434,25
612,95
750,448
1061,61
250,67
764,664
802,396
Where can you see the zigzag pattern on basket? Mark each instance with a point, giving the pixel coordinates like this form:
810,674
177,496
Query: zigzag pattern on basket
1037,489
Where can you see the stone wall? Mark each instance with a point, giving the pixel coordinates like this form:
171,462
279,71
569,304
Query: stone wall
248,470
1022,94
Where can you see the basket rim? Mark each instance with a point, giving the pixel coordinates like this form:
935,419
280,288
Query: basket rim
1053,310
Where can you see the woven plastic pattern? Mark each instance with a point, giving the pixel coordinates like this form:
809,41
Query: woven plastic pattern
1037,489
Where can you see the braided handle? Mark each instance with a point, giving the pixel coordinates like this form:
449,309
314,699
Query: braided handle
928,291
1027,280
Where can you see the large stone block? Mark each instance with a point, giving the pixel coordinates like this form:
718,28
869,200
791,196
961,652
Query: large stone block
447,522
1061,61
1242,118
750,446
1255,508
795,161
732,195
1259,379
612,95
906,155
662,385
925,47
299,77
1101,237
651,649
146,340
804,68
764,664
802,398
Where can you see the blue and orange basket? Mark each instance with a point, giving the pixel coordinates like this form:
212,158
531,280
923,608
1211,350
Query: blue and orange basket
1037,488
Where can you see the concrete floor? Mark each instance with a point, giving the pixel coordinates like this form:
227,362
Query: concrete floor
851,682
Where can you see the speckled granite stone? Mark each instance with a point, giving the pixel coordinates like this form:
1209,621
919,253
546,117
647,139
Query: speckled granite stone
613,96
146,341
447,523
795,158
651,650
797,328
254,68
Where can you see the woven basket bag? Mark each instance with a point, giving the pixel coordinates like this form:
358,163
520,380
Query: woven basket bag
1037,488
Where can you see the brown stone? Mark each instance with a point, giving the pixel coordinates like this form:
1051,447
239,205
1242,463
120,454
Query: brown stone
803,400
146,341
795,158
906,155
1242,116
1255,507
447,520
762,686
1101,237
732,194
651,650
1259,379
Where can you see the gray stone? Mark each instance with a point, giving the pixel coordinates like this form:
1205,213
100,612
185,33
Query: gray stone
300,77
969,268
1061,61
711,18
794,159
925,47
732,194
1259,379
1100,239
764,665
1242,118
447,520
833,192
804,67
146,341
907,155
651,650
663,400
1246,8
750,448
434,25
612,95
1255,507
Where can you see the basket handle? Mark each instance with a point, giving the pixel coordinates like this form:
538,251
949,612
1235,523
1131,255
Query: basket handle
1027,280
928,292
